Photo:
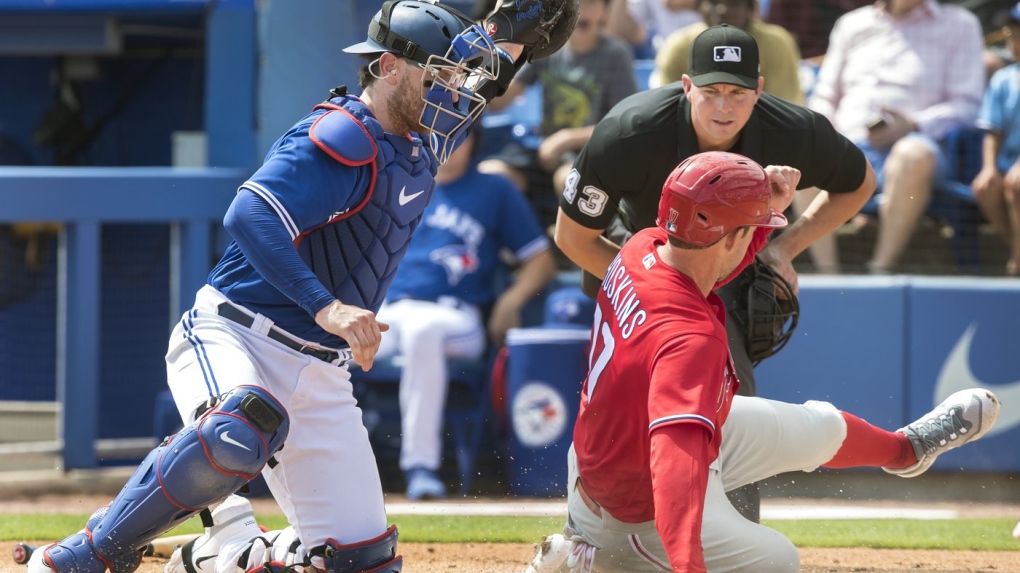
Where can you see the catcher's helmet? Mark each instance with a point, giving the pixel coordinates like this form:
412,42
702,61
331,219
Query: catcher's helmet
712,193
457,56
413,29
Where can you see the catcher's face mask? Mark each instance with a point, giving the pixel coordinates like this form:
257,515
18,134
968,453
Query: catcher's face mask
457,58
451,86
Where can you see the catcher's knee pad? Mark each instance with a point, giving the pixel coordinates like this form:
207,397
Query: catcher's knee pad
225,448
377,555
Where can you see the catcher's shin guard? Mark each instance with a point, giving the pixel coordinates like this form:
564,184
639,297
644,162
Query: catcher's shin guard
377,555
211,458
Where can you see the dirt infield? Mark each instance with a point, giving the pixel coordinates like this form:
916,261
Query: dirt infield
513,558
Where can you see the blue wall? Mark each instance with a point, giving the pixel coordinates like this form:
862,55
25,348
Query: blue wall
889,349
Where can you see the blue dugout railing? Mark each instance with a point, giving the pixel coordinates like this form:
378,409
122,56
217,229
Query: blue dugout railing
191,200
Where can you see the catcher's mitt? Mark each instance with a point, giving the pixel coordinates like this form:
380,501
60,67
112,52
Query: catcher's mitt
768,311
541,26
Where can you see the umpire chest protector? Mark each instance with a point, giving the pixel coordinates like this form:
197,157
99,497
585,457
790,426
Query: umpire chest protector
356,252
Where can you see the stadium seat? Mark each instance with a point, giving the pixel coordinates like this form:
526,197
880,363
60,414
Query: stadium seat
643,72
807,72
519,121
467,407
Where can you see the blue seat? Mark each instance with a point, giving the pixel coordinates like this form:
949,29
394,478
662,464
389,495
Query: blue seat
465,415
643,73
520,121
807,73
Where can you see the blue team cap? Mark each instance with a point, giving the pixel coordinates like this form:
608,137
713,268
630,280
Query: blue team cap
1014,14
569,306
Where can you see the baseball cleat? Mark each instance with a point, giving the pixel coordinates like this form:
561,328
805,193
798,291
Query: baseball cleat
550,555
233,521
424,484
36,562
962,417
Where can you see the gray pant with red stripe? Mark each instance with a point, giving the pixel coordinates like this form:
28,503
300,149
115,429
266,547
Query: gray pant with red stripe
761,438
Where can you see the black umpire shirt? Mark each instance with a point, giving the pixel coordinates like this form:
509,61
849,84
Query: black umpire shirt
644,137
622,168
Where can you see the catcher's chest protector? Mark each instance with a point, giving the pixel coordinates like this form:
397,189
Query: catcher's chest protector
355,254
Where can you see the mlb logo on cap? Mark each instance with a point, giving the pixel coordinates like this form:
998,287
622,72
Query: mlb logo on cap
726,54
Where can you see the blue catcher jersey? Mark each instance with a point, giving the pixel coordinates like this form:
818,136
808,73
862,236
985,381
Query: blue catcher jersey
350,196
455,251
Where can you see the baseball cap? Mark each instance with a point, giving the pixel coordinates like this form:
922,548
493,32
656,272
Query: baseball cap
724,54
569,306
1014,14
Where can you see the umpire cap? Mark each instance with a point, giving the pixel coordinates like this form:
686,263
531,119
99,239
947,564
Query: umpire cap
724,55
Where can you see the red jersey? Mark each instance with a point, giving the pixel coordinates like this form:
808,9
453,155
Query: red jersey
659,371
659,356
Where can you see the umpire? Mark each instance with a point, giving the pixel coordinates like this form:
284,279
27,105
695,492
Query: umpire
719,105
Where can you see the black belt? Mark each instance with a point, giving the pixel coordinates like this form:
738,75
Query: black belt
232,313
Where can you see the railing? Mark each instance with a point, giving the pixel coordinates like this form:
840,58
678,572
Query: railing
191,200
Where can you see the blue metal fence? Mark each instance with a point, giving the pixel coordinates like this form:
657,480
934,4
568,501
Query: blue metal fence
192,201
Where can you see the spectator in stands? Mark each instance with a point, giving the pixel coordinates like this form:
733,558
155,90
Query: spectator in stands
645,24
997,186
445,287
897,77
580,84
780,58
810,21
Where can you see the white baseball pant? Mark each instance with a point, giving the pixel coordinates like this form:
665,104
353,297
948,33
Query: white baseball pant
427,334
326,482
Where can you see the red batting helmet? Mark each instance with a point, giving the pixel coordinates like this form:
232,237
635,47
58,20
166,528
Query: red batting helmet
712,193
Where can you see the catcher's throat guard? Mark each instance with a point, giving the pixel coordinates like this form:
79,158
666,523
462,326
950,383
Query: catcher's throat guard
767,309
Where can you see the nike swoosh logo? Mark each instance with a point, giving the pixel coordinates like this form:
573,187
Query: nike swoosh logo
956,375
405,199
226,438
198,562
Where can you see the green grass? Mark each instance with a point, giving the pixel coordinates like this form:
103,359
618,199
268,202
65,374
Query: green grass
978,534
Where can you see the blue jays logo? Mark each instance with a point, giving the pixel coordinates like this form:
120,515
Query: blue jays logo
456,260
539,415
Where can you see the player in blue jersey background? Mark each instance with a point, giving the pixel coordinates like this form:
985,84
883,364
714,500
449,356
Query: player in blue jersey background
451,280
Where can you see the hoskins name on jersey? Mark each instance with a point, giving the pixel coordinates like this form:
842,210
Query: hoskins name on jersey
623,297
